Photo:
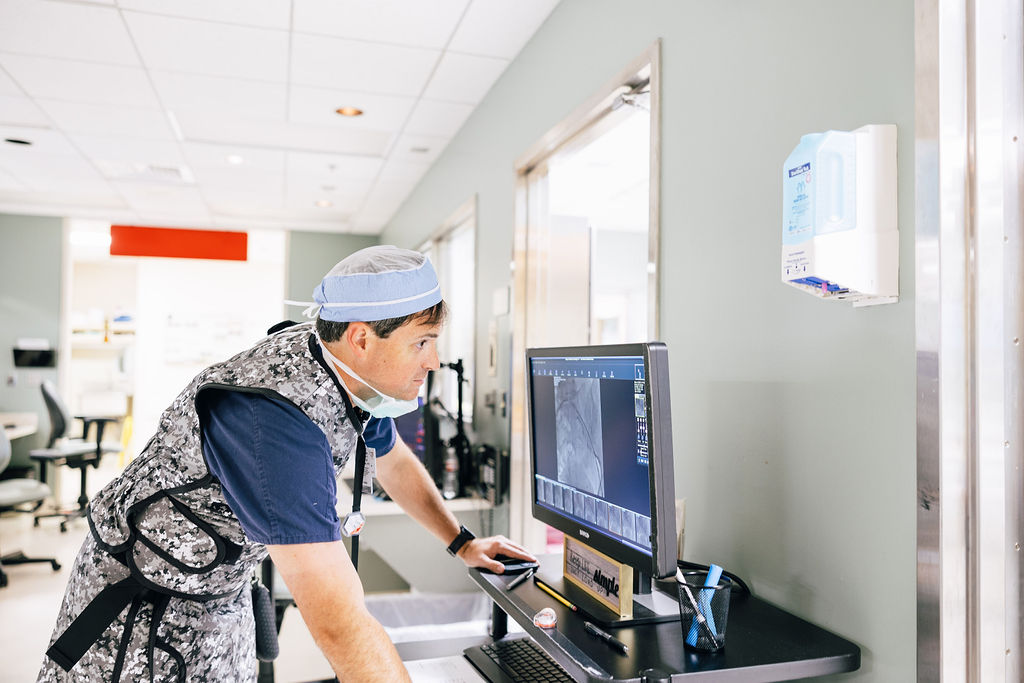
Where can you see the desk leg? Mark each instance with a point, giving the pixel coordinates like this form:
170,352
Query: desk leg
499,622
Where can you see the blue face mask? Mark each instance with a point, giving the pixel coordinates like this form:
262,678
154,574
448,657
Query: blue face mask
381,405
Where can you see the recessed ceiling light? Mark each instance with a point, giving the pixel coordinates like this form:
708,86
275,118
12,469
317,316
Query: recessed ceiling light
323,203
16,141
419,150
235,160
348,111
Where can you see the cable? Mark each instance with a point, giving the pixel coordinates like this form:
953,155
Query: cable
737,581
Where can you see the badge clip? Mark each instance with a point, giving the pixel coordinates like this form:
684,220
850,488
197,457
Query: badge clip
353,523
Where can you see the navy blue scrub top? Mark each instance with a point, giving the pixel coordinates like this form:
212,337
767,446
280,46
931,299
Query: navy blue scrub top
275,466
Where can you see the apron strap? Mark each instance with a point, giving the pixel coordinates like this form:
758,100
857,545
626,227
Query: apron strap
97,616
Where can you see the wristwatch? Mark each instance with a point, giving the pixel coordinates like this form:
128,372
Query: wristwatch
464,537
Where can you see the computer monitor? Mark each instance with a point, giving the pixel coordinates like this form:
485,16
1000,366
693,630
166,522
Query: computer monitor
601,451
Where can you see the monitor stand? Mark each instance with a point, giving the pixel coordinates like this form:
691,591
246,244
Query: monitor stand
650,606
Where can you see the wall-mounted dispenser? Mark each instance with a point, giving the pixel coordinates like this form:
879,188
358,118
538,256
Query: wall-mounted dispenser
839,233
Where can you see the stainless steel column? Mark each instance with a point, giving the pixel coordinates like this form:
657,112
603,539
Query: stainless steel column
969,329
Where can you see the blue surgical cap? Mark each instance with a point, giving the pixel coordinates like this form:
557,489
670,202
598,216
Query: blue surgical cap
378,283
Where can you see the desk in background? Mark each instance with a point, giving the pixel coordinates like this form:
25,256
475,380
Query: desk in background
18,425
763,642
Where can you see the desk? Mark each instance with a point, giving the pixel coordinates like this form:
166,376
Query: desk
763,642
17,425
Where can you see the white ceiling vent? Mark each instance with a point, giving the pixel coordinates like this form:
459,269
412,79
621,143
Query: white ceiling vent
164,174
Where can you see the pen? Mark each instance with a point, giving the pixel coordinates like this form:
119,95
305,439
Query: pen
550,591
606,637
519,579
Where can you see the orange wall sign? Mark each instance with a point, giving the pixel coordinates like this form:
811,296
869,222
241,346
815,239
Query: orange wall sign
131,240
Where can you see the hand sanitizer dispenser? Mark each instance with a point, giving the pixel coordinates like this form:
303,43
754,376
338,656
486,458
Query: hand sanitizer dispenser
839,234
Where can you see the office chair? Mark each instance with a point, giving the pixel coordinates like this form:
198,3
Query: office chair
15,493
77,453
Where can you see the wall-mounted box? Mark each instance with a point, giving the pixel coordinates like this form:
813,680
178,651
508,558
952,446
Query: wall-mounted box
839,232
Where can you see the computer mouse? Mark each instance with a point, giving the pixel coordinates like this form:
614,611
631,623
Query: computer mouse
513,565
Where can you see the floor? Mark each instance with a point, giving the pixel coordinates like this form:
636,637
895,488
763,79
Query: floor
34,594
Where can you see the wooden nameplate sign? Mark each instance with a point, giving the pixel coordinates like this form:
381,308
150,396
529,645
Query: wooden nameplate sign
607,581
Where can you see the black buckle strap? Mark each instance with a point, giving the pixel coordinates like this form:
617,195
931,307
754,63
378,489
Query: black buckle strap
97,616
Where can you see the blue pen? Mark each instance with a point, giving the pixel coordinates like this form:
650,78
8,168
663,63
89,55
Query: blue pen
704,605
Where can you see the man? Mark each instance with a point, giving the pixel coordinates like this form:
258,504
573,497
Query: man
243,464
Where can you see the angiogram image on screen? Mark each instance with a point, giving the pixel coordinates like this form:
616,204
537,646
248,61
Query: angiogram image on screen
579,448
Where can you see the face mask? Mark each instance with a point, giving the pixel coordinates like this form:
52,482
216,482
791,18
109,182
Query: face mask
379,406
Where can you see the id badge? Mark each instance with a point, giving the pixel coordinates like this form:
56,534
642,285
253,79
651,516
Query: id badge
369,470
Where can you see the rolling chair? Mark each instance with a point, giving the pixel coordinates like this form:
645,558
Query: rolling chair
74,453
15,493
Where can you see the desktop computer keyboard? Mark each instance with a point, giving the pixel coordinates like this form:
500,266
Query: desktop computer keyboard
516,660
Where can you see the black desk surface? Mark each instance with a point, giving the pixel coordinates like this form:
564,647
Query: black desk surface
762,643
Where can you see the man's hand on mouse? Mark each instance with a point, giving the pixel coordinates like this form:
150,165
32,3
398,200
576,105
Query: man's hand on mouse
480,552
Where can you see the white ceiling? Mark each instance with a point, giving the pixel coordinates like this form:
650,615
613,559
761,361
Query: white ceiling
133,107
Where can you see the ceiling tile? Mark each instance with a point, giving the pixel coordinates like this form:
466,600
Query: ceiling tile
301,198
48,174
438,118
215,157
44,143
59,29
328,219
238,181
242,201
224,96
8,86
77,81
333,169
498,28
397,174
10,183
418,148
318,105
283,136
185,217
94,119
161,198
262,13
21,111
464,78
421,24
362,67
157,152
212,49
74,203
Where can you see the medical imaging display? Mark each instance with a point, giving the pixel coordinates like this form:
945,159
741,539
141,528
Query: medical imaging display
579,449
590,443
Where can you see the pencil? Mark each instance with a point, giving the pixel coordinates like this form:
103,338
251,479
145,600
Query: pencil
551,591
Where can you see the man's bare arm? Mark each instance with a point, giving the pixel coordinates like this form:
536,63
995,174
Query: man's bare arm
328,593
406,480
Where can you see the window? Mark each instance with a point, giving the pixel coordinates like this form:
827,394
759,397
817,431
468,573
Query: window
585,250
453,253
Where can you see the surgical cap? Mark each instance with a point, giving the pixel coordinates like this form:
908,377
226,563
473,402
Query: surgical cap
378,283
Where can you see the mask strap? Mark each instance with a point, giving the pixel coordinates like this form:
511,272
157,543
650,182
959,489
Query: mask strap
312,308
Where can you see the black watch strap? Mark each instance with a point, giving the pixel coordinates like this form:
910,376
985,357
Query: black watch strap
464,537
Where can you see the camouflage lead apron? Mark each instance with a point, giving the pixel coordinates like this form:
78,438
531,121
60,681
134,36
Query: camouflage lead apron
160,588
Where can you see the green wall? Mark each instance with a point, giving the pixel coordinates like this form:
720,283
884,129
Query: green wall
794,419
310,256
30,275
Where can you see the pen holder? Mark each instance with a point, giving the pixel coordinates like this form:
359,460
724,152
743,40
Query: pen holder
704,631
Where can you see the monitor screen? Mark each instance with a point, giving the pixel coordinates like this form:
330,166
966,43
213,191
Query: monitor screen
601,449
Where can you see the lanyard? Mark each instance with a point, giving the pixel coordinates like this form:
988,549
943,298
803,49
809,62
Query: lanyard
354,521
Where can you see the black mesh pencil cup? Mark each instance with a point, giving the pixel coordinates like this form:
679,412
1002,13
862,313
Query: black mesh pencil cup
703,611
